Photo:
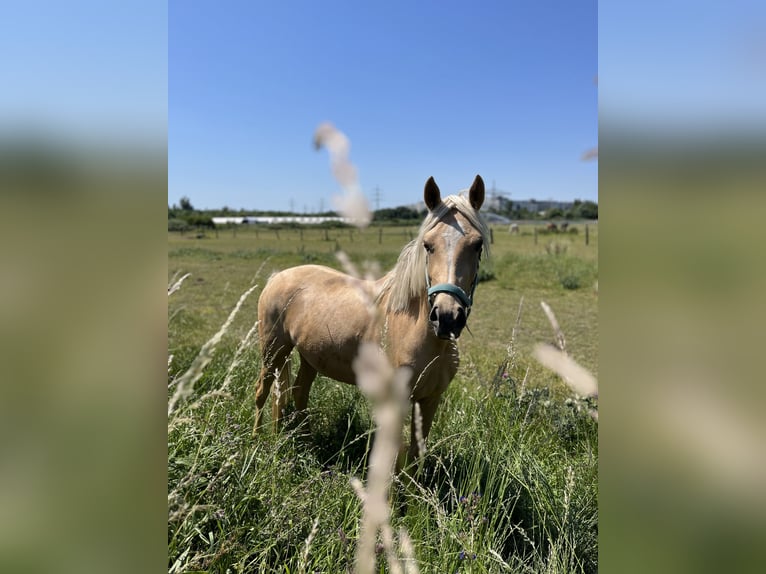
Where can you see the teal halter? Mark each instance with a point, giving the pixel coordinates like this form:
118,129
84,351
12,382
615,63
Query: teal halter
454,290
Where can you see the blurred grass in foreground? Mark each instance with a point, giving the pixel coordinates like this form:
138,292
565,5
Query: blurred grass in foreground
681,323
82,344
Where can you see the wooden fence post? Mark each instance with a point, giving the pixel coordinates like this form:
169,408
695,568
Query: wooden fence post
587,238
535,235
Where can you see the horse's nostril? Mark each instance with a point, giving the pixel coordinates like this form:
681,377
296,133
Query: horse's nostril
433,317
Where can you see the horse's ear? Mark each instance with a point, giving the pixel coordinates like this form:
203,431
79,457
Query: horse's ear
431,194
476,193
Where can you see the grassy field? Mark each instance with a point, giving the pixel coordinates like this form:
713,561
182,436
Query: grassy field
509,482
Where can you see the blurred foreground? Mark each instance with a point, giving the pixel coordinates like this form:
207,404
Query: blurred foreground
683,467
82,333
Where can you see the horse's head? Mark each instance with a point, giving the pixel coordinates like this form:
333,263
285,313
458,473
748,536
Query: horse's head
453,249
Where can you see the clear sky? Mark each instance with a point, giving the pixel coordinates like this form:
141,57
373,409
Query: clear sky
85,71
683,65
450,89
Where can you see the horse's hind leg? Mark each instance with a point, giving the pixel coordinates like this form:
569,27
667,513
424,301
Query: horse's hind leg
281,394
302,388
261,394
272,365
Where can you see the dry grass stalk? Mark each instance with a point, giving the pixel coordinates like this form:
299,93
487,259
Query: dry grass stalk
524,383
557,332
309,540
186,382
511,349
387,389
419,431
347,264
175,285
246,343
408,550
577,377
590,154
387,539
353,203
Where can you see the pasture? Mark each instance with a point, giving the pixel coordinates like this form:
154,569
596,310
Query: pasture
509,481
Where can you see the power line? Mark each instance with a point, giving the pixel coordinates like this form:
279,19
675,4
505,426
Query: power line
376,196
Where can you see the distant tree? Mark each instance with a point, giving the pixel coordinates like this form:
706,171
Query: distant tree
175,224
186,204
199,220
582,210
523,213
588,210
395,213
555,212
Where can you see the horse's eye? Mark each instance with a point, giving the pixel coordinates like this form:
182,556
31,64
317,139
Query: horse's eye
479,246
428,247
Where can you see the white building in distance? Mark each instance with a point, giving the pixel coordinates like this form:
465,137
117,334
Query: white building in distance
270,219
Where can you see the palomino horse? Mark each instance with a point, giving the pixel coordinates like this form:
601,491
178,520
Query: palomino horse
420,309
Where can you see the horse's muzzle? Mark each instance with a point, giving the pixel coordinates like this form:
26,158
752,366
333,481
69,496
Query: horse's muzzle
447,323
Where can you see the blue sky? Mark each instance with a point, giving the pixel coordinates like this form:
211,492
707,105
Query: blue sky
449,89
504,89
683,65
85,70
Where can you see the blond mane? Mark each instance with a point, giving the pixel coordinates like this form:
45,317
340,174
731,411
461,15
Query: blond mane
408,277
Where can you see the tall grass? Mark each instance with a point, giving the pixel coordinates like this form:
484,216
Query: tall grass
554,266
508,484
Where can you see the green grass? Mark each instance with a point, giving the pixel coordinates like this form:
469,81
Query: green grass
509,483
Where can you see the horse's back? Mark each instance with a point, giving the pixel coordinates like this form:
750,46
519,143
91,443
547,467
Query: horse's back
306,284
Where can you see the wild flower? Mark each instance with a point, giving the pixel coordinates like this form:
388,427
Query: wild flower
470,506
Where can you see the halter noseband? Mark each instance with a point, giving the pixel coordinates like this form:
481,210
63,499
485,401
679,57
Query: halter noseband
454,290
